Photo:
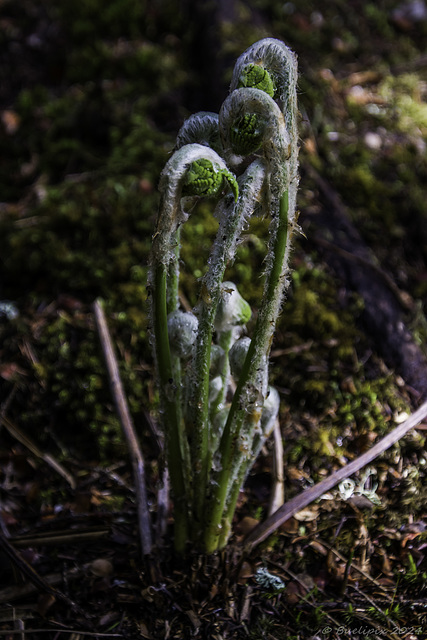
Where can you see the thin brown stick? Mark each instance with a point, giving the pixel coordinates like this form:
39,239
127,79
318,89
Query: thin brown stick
24,439
6,404
17,592
138,467
277,496
40,583
59,538
78,633
266,528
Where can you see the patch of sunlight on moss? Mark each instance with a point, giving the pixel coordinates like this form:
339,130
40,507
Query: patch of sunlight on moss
406,94
323,443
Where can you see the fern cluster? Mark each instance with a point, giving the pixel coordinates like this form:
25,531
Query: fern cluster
217,408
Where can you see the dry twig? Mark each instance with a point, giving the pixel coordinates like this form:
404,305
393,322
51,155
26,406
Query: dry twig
37,580
126,422
24,439
72,632
277,497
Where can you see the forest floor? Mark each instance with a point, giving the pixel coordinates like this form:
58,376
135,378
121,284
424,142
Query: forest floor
91,98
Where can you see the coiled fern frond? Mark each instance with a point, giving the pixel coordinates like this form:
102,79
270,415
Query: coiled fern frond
256,76
203,179
200,128
246,134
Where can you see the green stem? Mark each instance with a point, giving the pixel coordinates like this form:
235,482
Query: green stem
169,404
165,265
172,296
172,304
232,221
245,410
199,419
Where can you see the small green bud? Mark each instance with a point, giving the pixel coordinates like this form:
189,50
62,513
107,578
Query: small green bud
246,134
237,355
232,309
257,77
204,179
182,331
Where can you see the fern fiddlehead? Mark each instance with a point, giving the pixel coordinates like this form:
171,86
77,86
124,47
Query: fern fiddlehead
256,76
200,128
246,134
232,217
270,134
247,130
203,179
281,64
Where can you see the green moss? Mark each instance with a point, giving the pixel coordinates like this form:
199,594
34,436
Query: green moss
84,240
379,19
322,370
405,97
90,234
312,308
199,231
73,393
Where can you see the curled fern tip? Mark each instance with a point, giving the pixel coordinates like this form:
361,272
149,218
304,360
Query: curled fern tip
204,179
255,76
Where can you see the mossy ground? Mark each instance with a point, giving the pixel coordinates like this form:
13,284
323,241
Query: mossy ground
92,96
